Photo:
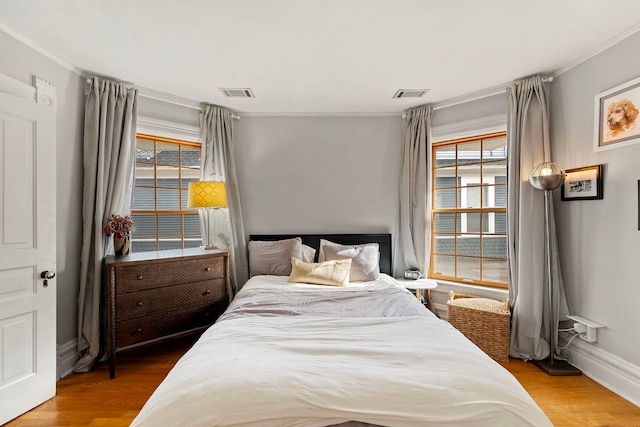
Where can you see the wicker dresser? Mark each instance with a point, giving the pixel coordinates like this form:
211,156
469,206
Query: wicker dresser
152,296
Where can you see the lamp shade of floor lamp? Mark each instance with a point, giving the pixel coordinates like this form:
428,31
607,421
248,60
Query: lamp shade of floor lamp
208,195
547,177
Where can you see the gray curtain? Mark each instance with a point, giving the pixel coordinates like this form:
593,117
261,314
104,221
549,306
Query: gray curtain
413,233
109,159
528,146
218,164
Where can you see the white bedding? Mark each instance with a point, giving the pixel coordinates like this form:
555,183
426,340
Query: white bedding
318,371
280,283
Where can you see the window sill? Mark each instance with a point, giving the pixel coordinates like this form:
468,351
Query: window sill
460,288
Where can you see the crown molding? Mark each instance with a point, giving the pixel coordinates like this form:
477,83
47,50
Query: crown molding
322,114
462,99
167,97
41,51
189,103
606,45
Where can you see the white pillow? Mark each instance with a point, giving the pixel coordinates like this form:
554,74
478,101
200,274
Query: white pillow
308,253
365,258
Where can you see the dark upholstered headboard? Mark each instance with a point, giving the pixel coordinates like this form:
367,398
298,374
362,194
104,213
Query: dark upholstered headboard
313,240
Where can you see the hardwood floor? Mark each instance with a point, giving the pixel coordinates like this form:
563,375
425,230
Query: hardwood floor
92,399
574,401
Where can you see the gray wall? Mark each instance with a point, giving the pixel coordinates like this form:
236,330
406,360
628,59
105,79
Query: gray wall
599,239
161,110
319,174
22,63
472,110
328,174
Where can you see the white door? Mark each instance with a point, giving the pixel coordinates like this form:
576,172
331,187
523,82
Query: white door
27,246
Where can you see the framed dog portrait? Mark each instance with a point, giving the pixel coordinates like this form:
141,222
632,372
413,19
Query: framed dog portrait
583,184
616,116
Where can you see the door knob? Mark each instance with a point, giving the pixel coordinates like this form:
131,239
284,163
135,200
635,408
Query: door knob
47,275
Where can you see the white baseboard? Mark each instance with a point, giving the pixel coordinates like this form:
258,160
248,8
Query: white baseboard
614,373
66,358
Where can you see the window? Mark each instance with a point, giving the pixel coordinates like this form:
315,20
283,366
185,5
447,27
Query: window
469,210
164,168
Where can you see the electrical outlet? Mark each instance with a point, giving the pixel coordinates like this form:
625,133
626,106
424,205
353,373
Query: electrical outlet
586,329
580,328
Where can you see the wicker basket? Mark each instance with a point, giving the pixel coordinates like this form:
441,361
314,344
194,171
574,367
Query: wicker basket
486,322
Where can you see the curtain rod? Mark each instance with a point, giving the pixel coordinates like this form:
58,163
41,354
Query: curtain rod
475,96
168,98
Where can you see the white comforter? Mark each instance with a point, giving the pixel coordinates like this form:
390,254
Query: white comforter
318,371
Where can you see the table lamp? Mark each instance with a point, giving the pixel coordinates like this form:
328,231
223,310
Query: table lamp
209,195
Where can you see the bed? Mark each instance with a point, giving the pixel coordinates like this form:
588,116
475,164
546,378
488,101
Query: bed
292,352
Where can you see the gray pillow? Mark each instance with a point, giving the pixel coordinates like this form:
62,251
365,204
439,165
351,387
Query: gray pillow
365,258
273,257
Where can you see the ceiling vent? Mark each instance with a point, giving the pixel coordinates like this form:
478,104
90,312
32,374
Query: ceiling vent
410,93
237,92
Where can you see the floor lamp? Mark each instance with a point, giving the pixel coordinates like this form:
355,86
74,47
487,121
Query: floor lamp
547,177
209,195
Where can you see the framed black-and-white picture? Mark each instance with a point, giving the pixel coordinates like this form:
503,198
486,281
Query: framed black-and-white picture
616,117
583,184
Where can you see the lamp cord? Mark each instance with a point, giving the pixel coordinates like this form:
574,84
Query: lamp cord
570,339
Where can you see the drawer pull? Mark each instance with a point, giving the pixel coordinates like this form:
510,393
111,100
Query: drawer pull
207,269
139,330
139,277
207,292
139,303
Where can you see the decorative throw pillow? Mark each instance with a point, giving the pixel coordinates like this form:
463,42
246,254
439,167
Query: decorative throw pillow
334,273
273,257
365,264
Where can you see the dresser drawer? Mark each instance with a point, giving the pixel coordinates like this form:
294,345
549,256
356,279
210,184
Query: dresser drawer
152,275
153,296
148,301
159,325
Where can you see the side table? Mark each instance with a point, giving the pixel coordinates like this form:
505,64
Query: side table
420,285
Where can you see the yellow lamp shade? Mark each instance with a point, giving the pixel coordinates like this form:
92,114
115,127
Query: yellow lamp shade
207,194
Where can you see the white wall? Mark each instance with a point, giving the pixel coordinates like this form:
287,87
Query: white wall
599,239
22,63
319,174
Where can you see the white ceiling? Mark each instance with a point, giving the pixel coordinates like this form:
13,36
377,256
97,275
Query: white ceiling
319,56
